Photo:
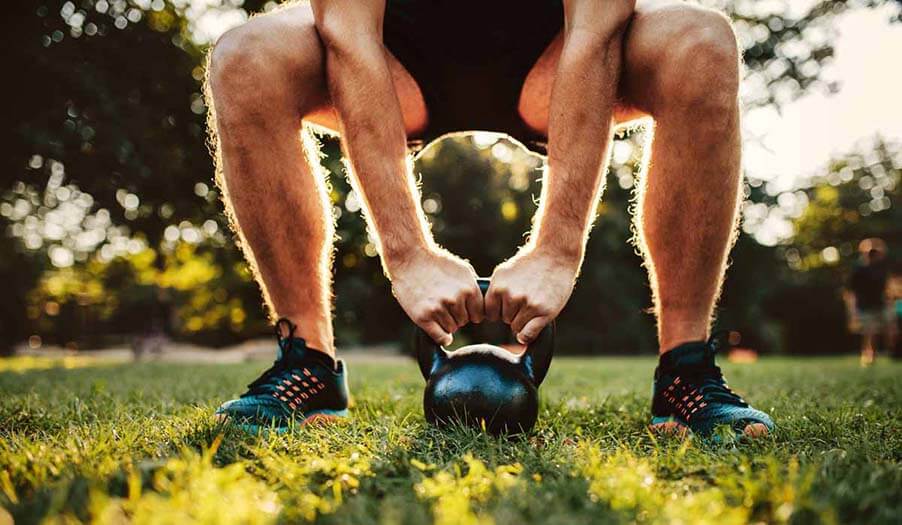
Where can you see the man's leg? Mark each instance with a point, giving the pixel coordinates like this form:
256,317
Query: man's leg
688,199
868,346
681,66
265,78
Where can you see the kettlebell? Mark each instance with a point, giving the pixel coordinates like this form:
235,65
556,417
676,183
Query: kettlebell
483,385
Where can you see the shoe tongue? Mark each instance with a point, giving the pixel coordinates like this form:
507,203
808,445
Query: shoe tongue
296,351
688,354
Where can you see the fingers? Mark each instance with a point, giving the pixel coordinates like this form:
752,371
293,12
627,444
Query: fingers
436,332
528,323
437,322
493,304
501,305
447,315
511,306
445,320
532,329
458,310
475,305
525,315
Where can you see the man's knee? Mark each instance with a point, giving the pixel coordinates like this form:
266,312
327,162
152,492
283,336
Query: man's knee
238,64
255,67
700,70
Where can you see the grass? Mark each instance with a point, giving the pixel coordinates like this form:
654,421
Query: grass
119,443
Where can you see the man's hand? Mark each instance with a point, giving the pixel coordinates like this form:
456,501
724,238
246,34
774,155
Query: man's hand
529,290
438,291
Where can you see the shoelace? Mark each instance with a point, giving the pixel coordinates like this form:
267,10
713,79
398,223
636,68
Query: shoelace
713,386
268,380
707,376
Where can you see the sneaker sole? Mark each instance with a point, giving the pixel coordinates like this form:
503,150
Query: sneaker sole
317,418
668,426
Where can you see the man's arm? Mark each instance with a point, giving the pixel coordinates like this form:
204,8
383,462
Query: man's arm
530,289
437,290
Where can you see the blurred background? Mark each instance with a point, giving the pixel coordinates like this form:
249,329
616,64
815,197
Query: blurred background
112,232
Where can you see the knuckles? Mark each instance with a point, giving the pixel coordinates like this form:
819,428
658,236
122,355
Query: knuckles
498,286
426,314
518,299
448,302
538,309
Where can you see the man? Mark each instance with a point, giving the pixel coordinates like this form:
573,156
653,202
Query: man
867,299
385,72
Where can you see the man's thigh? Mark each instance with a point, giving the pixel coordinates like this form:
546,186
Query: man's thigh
647,31
291,30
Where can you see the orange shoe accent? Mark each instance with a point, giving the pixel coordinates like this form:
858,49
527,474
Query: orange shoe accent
670,428
320,419
756,430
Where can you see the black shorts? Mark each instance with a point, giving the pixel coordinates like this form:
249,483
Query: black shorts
470,59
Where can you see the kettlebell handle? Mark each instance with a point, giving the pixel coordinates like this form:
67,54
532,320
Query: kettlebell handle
535,360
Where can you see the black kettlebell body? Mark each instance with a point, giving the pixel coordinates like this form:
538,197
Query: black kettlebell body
483,385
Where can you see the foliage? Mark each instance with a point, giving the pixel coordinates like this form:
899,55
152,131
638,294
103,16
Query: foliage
110,91
118,442
786,46
190,291
454,493
858,197
117,102
628,484
310,485
19,271
190,489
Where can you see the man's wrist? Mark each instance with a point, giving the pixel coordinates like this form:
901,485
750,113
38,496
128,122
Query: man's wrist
566,243
399,249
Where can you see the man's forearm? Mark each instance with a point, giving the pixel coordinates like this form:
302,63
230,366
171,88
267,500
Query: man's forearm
373,135
580,124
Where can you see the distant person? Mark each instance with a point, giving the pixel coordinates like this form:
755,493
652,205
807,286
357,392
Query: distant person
867,300
556,75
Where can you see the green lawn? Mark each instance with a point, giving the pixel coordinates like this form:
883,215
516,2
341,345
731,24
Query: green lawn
110,443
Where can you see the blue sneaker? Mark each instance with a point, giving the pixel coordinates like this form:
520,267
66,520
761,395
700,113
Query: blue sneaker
690,394
303,385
